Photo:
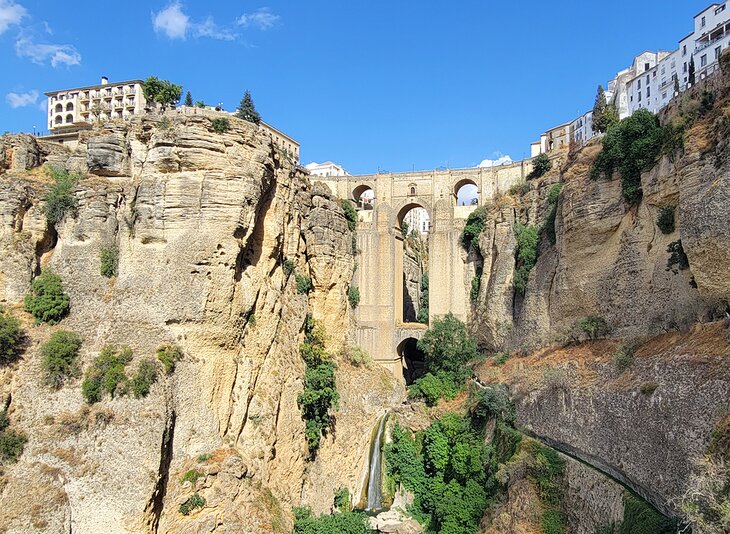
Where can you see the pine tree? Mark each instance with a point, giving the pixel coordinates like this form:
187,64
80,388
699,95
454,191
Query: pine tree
189,99
599,111
246,109
691,70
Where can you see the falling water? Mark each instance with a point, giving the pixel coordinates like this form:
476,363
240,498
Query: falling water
375,479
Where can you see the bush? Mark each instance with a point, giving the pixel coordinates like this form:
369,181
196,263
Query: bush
106,374
193,502
60,354
47,301
342,499
500,358
169,355
191,476
221,125
288,267
350,214
473,228
10,336
593,326
422,316
358,357
540,165
476,285
109,260
431,388
641,518
202,458
678,260
448,347
665,220
631,146
304,283
527,240
341,523
647,388
59,201
11,446
144,378
623,358
491,401
353,296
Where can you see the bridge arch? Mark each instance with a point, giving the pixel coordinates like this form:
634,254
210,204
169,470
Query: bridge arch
412,359
363,195
464,191
404,207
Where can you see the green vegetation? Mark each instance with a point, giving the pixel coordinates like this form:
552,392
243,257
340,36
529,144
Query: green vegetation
350,214
593,326
527,240
549,226
678,260
304,283
169,355
246,109
221,125
476,285
202,458
623,358
305,522
191,476
320,394
631,146
59,201
11,442
500,358
288,267
60,354
641,518
691,75
342,500
422,316
665,220
448,350
10,336
353,296
200,104
472,228
604,115
162,92
194,502
188,99
47,301
540,165
357,356
647,388
107,375
109,261
490,402
144,378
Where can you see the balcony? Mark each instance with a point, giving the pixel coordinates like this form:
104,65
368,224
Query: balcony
712,39
130,104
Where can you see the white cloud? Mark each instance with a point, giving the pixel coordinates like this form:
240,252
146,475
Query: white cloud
10,14
262,18
209,28
40,53
19,100
172,22
501,160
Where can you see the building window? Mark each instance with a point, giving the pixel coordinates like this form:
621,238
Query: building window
703,22
638,83
69,118
639,97
648,92
631,99
646,66
69,107
717,52
648,80
684,50
703,60
664,95
684,67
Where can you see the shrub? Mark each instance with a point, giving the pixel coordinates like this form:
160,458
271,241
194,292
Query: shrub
304,283
191,476
144,378
193,502
106,374
476,285
169,355
593,326
59,201
678,260
422,316
549,227
707,101
11,446
342,499
665,220
472,228
109,260
357,356
631,146
448,347
305,522
288,267
47,301
60,354
500,358
540,165
202,458
647,388
353,296
10,336
527,239
431,388
623,358
350,214
491,401
641,518
221,125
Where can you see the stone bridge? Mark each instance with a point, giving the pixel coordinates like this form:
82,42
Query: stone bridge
381,329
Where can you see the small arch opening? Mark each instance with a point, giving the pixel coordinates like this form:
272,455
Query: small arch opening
466,193
69,118
414,225
413,360
58,119
59,107
69,107
364,197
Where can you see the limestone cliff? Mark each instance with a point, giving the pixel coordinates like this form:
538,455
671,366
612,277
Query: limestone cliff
203,222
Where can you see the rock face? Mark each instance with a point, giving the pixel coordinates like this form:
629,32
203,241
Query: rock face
202,223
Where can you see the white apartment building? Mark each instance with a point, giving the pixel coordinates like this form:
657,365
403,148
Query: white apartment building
581,129
286,143
71,109
326,169
417,219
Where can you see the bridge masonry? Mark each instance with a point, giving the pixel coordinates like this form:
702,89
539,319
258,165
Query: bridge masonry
379,276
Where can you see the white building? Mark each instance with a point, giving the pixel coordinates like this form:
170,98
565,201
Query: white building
581,129
73,109
417,219
286,143
326,169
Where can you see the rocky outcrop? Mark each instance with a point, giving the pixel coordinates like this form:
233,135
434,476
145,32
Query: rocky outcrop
202,223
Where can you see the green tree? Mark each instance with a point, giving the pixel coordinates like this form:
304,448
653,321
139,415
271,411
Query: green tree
691,76
188,99
60,354
47,301
540,165
162,92
448,348
59,201
10,336
527,241
246,109
605,115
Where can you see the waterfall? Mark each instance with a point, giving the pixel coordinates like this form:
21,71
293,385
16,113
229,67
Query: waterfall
375,477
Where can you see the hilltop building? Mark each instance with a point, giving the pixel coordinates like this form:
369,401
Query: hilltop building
653,78
326,169
286,143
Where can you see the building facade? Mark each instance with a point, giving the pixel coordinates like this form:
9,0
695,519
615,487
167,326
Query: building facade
326,169
286,143
74,109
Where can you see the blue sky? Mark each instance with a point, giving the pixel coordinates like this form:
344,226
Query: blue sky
370,85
